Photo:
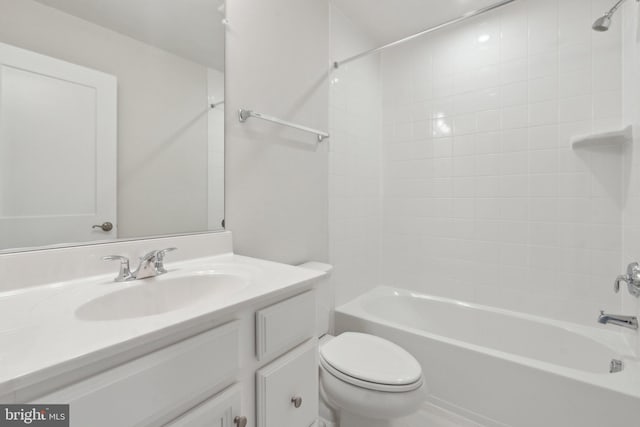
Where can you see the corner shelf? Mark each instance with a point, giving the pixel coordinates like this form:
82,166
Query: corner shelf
616,138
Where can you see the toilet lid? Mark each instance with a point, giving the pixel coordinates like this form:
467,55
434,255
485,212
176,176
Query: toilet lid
371,359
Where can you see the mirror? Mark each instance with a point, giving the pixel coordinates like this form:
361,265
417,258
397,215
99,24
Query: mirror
111,120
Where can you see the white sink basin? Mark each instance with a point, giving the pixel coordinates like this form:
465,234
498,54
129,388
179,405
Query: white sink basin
160,294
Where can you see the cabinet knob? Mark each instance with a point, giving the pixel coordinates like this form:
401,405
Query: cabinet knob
297,401
240,421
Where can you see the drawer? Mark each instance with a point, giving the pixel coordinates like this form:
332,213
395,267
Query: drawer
155,388
219,411
284,325
294,375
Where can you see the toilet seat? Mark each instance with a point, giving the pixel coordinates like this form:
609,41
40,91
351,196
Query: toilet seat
371,362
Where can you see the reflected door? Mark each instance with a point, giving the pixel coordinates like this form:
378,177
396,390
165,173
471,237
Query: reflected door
58,148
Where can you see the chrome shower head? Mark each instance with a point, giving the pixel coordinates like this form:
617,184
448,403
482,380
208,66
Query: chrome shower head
604,22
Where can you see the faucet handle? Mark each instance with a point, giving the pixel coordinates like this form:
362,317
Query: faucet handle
162,252
633,271
125,271
148,256
616,283
632,279
160,259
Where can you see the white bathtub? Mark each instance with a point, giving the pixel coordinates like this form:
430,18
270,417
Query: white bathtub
499,367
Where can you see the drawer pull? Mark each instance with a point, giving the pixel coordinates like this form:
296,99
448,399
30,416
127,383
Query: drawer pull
297,401
240,421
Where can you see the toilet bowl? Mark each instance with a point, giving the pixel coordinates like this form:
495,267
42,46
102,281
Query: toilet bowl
368,381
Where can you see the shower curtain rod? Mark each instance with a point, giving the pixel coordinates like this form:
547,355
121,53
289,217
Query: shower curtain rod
464,17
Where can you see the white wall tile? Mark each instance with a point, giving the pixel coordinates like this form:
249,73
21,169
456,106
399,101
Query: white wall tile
544,64
543,137
514,117
543,89
543,113
631,115
504,191
575,109
575,84
543,161
514,94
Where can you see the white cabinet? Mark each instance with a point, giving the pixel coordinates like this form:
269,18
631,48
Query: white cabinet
212,379
287,389
155,388
222,410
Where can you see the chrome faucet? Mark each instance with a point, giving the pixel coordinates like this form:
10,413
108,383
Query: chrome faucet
632,279
630,322
151,264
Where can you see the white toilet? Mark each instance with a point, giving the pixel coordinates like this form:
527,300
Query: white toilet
367,381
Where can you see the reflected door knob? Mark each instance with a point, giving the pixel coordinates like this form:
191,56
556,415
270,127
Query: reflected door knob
105,226
297,401
240,421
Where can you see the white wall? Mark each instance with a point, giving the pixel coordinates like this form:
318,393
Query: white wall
276,179
162,110
355,111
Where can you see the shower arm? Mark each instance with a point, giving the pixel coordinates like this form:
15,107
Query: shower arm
615,8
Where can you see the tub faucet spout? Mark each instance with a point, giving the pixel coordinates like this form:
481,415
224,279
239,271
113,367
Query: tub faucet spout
630,322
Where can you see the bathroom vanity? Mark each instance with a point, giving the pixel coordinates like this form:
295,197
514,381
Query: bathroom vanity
220,339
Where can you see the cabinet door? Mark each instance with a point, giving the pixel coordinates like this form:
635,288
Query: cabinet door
284,325
155,388
287,389
219,411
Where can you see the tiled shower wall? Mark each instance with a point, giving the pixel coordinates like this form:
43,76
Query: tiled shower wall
631,114
354,156
485,200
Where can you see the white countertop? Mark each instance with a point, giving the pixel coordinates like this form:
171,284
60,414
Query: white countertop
41,338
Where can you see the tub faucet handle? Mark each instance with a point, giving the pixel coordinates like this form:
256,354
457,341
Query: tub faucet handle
632,279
